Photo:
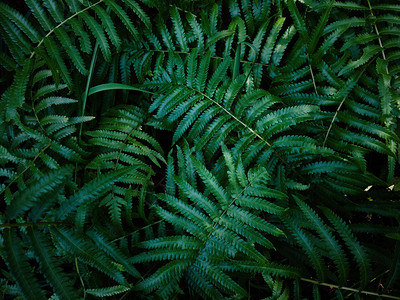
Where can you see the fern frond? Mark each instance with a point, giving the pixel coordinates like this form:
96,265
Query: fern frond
179,30
173,269
29,197
197,197
317,32
108,291
114,252
109,26
51,267
16,96
268,48
98,33
120,12
91,191
49,101
267,109
54,53
269,268
333,247
210,181
72,51
40,14
309,249
19,266
23,24
197,30
356,249
54,10
297,19
85,251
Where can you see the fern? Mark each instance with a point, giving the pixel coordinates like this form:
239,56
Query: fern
211,223
51,267
108,291
124,144
199,149
18,262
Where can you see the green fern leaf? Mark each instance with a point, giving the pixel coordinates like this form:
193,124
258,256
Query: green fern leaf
211,182
108,291
182,223
51,267
54,10
350,5
99,35
173,269
317,32
333,247
50,101
40,15
90,192
191,213
356,249
198,31
309,248
54,52
140,13
84,38
23,24
120,12
268,48
86,252
19,266
368,53
253,221
29,197
222,280
72,51
173,242
218,36
109,26
197,197
297,19
282,44
114,252
179,30
268,268
16,97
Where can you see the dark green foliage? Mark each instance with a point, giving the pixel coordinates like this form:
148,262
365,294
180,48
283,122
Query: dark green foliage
199,149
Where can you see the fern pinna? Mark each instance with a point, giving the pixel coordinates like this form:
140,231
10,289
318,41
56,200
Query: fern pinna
199,149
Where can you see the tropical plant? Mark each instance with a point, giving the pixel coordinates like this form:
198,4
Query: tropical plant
200,149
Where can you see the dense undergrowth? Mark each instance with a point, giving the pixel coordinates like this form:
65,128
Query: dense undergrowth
199,149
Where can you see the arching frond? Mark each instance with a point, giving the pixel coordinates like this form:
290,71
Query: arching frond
199,149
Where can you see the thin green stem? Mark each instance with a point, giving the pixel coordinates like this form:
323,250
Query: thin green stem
241,123
333,121
89,79
11,225
214,57
61,24
26,169
379,38
233,116
226,211
85,96
133,232
341,104
349,289
312,75
80,278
